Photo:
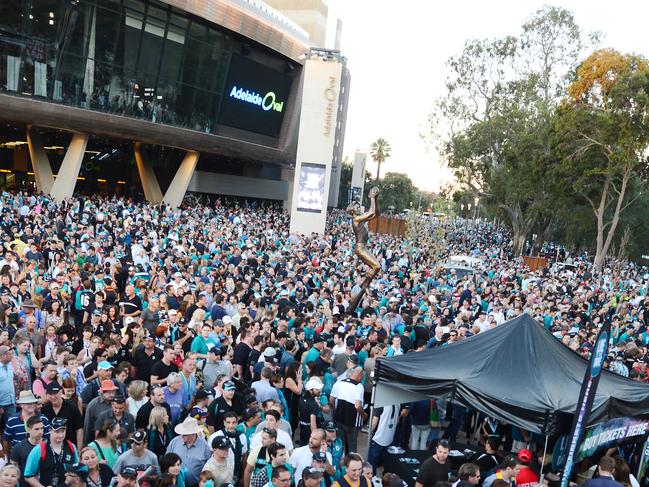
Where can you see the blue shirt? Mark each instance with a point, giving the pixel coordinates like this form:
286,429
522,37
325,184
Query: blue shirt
193,457
602,482
7,392
16,429
176,403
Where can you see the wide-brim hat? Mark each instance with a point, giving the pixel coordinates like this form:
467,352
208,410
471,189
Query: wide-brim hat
188,427
26,397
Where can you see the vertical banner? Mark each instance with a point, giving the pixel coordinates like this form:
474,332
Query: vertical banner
315,145
586,397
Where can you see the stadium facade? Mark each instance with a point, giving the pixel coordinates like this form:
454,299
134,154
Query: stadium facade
158,96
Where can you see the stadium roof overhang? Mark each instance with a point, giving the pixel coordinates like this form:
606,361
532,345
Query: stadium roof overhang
254,20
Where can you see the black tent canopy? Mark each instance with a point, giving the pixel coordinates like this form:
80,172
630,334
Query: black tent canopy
518,373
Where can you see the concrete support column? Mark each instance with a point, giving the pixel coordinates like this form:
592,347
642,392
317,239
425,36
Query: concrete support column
288,175
150,184
66,179
178,187
40,162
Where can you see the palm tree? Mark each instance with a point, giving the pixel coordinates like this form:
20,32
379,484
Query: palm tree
380,151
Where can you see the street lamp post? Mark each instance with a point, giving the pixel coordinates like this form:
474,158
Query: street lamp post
475,209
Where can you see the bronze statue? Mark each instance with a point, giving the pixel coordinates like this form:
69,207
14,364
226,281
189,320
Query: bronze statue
360,248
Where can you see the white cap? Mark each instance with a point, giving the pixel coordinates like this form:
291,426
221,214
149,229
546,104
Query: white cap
128,320
226,320
269,352
314,383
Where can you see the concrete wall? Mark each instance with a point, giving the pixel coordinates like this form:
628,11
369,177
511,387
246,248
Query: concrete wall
215,183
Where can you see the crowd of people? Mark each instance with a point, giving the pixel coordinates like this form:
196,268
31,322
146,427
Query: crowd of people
207,346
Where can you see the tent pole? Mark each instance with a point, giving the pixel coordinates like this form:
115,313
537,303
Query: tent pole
545,450
377,368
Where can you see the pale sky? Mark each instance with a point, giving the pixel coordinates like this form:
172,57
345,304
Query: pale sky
397,52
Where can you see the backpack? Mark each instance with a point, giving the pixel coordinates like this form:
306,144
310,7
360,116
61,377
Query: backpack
44,449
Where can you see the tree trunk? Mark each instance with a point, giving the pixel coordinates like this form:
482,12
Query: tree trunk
603,244
520,227
520,237
378,170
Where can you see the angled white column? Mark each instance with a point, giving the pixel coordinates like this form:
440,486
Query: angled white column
288,175
66,179
40,162
178,187
150,184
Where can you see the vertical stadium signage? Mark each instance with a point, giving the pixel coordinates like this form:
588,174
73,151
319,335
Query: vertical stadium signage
586,398
330,95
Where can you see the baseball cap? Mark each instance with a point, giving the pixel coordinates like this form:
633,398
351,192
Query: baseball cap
525,456
221,443
282,334
58,423
320,456
77,469
53,387
226,320
139,437
119,399
353,359
314,383
318,339
104,365
330,426
128,472
229,386
312,472
128,320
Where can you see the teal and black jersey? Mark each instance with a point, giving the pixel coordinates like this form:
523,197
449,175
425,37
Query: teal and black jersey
83,298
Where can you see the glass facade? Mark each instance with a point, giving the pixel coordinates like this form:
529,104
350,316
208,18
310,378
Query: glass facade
135,58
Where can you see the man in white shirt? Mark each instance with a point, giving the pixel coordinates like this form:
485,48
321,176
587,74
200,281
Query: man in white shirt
272,422
302,457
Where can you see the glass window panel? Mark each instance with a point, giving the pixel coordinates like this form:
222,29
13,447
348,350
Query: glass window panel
11,15
44,19
198,31
156,13
132,34
179,20
136,5
75,25
150,53
109,35
172,59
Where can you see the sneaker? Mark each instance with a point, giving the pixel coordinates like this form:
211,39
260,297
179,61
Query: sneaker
365,429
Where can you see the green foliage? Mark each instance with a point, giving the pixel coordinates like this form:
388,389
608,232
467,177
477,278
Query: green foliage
397,191
379,152
501,101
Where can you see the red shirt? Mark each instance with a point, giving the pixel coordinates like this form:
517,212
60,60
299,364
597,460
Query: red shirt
526,477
